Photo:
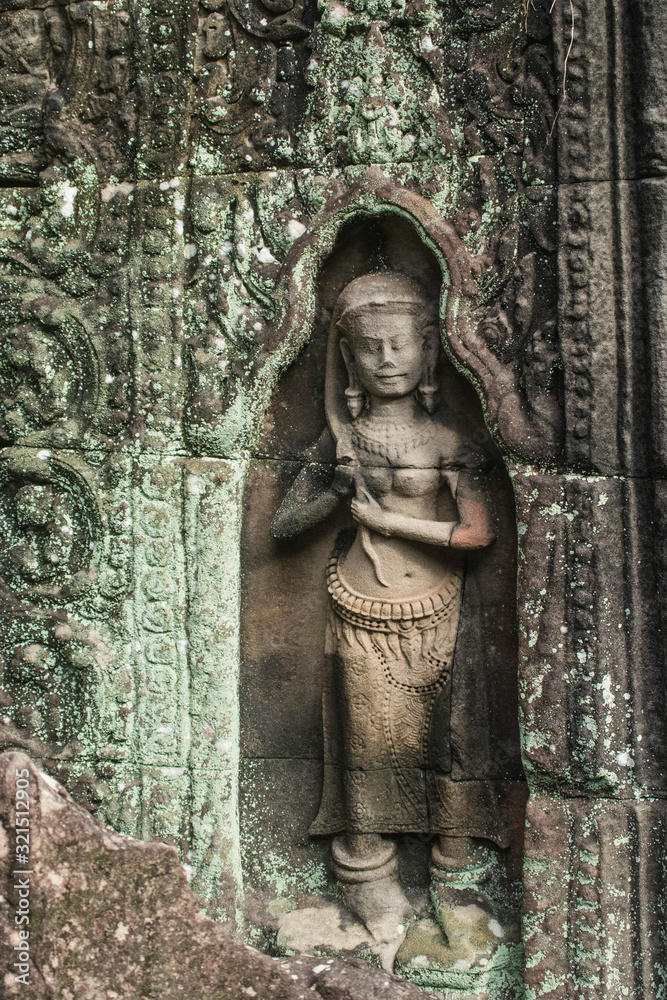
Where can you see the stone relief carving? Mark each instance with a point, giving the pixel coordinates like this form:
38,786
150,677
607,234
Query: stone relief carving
51,684
128,216
27,69
66,75
504,336
64,573
51,529
401,727
48,382
91,114
247,59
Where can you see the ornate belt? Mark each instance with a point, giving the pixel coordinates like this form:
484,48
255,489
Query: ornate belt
373,613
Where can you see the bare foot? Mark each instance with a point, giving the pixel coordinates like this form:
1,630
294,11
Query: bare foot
366,867
471,899
384,909
469,923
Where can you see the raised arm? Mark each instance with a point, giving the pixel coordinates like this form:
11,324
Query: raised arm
313,495
310,501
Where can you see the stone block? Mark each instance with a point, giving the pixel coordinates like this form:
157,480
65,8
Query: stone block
591,720
106,915
594,890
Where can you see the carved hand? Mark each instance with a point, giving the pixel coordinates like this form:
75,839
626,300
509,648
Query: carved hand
385,522
372,515
343,480
366,510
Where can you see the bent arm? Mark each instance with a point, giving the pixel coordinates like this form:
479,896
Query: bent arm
312,498
472,530
297,513
313,495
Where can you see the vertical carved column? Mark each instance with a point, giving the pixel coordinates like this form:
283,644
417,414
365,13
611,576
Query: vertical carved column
160,649
163,62
212,492
591,646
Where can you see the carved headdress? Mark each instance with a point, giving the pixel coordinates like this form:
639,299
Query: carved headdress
384,291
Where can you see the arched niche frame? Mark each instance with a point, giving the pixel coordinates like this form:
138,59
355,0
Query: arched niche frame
524,425
284,602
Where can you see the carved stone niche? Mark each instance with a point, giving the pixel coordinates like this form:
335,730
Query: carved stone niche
381,772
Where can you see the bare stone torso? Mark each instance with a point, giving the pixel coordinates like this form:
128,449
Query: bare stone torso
400,467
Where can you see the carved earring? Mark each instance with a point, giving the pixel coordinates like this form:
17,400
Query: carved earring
355,399
355,394
427,391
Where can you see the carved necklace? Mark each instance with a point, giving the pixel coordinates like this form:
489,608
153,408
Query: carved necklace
384,438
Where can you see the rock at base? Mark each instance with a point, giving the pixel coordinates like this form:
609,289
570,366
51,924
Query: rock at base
112,917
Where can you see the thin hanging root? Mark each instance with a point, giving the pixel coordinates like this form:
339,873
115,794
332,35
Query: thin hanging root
569,48
567,58
526,10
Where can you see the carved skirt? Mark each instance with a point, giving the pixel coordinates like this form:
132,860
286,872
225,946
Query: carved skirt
389,674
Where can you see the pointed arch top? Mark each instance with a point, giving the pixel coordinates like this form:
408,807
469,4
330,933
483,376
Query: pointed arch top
524,429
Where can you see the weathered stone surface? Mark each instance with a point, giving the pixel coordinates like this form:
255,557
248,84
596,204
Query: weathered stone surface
110,916
595,890
183,187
